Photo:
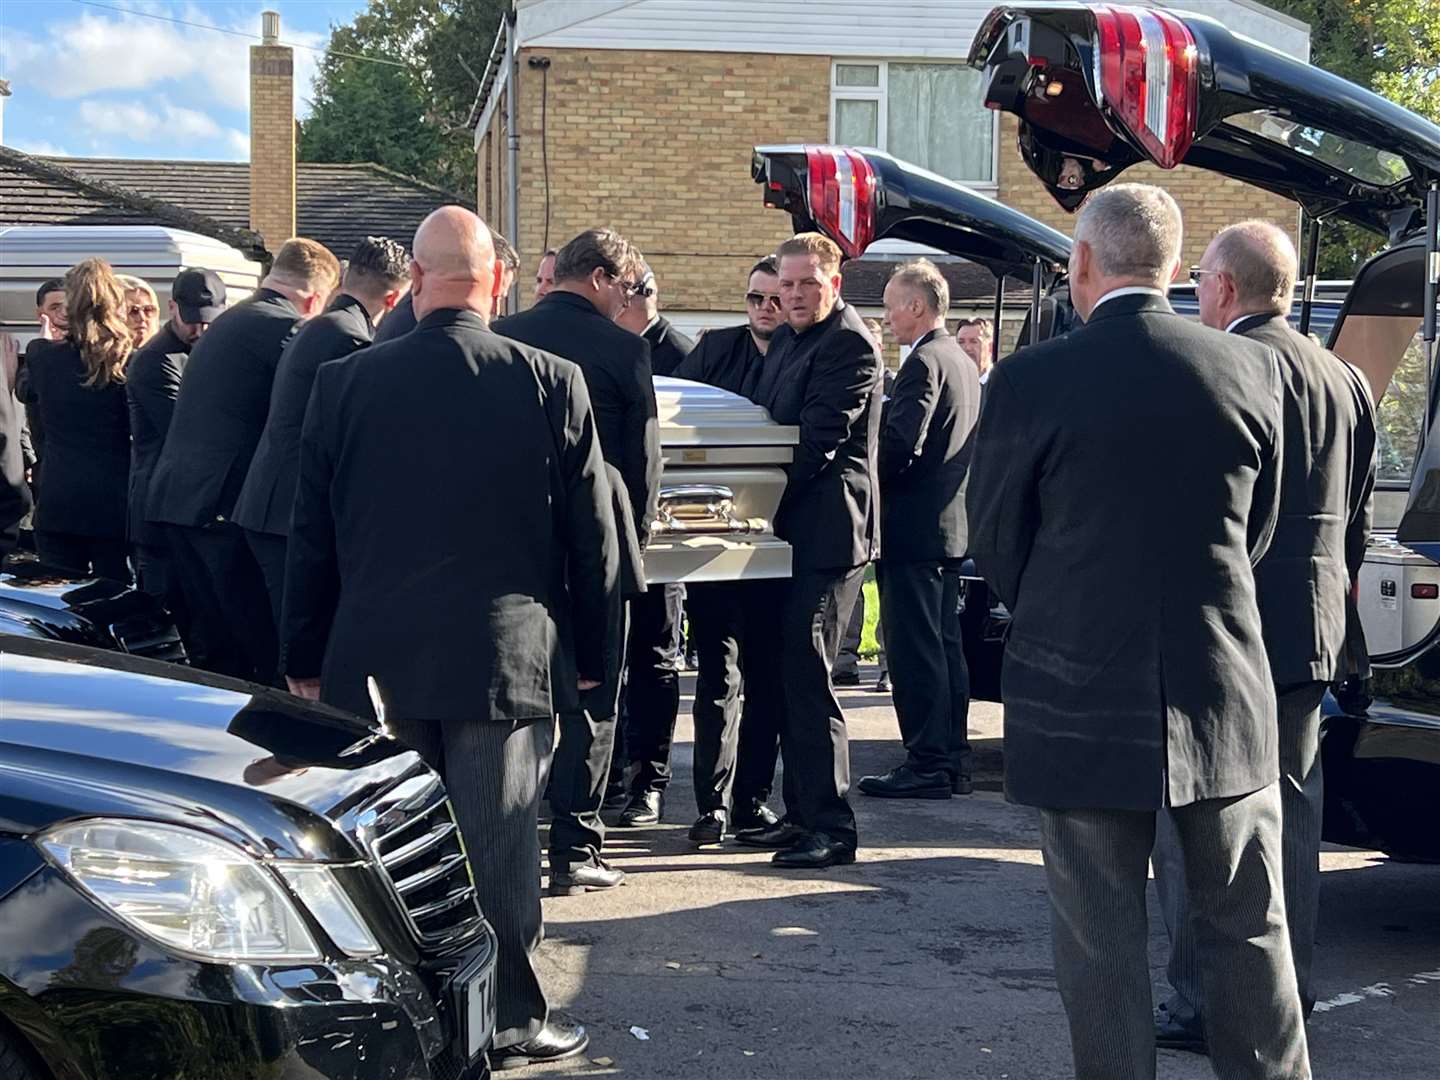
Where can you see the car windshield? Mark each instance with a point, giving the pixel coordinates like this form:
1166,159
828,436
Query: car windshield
1365,163
1372,343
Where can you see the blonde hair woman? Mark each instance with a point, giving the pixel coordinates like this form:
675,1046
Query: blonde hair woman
76,386
142,309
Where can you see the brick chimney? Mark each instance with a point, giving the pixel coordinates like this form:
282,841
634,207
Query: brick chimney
272,135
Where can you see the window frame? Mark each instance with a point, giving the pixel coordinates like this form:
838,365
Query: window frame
880,94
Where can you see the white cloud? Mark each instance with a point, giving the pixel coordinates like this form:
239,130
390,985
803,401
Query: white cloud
94,53
238,143
146,121
38,146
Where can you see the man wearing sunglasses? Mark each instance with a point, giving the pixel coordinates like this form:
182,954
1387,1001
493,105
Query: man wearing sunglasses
732,778
596,275
668,347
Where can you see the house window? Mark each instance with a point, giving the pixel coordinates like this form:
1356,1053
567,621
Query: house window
930,115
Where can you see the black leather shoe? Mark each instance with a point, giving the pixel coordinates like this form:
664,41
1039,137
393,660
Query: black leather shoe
903,782
586,877
555,1042
615,798
709,829
1171,1034
645,808
961,784
815,853
846,678
782,834
882,684
755,816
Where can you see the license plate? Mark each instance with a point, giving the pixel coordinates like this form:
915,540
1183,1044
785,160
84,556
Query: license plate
477,1010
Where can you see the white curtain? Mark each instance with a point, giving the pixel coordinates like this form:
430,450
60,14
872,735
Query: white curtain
935,119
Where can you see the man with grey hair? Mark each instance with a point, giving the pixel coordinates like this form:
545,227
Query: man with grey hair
516,559
1121,704
1245,282
925,443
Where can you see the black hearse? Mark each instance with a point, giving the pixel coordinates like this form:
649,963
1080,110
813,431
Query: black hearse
206,878
1099,88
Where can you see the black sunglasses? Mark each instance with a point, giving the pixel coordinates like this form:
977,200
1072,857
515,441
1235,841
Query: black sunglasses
760,299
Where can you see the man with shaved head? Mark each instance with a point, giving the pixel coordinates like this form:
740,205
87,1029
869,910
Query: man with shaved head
1120,530
1245,282
453,542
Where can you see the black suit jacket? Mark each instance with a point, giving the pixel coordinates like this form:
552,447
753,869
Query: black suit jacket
616,364
85,474
668,347
1325,496
152,383
269,491
400,320
1125,481
727,358
220,413
827,380
925,449
449,482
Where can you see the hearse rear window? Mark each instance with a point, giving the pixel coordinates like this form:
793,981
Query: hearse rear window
1365,163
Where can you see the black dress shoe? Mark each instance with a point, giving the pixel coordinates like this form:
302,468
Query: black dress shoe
961,784
615,797
782,834
846,678
645,808
586,877
755,816
1174,1035
903,782
815,853
555,1041
882,684
709,829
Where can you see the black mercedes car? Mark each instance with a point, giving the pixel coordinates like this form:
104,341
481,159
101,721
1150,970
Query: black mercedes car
203,878
1089,106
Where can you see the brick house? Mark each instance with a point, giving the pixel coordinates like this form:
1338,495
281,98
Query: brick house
642,114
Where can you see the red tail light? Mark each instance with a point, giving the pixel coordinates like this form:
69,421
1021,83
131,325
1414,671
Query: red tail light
1148,77
1425,590
842,197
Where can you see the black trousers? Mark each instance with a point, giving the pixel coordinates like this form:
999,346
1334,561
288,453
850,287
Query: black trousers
920,606
763,709
492,772
813,739
581,767
100,556
269,551
155,576
716,634
225,592
652,685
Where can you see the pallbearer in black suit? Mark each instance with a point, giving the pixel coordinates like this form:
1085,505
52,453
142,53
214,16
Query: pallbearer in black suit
1125,479
822,373
1245,283
401,319
733,772
452,537
152,383
14,492
595,276
650,701
376,277
925,449
76,389
219,416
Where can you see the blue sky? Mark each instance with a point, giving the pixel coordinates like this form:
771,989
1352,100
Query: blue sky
91,81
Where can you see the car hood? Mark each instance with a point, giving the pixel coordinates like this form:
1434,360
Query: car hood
86,732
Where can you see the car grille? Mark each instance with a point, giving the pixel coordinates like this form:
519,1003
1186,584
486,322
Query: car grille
414,839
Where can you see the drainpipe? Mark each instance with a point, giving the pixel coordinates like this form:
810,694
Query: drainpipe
512,147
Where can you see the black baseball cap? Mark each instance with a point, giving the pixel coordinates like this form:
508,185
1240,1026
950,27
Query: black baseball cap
199,294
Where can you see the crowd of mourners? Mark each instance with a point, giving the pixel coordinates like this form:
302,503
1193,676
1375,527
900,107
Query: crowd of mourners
369,485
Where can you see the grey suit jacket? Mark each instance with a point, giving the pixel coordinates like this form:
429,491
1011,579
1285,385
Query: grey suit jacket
1125,481
925,448
1325,496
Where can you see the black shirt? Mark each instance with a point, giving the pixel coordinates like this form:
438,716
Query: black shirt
727,358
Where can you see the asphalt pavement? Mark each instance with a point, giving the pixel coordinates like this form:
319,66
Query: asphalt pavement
930,957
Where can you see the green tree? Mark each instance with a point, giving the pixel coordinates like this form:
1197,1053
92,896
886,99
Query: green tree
409,118
1389,46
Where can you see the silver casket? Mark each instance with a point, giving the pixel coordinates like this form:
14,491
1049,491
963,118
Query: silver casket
724,475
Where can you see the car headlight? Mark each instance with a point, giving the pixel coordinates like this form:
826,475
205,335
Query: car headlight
320,891
196,894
